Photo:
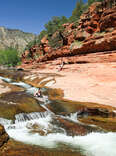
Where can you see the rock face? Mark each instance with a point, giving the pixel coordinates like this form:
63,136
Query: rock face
14,38
96,32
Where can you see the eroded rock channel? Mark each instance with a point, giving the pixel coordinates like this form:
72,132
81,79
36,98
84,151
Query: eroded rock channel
51,125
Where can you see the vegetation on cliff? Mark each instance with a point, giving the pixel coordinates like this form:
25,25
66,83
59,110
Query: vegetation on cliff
84,32
55,25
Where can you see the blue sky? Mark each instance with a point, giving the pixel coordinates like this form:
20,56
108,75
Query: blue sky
31,15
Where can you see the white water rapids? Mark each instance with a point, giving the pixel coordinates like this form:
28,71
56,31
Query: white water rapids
92,144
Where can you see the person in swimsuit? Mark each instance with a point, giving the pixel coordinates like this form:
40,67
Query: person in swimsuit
38,93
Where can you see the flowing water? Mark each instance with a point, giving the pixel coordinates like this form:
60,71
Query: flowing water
42,129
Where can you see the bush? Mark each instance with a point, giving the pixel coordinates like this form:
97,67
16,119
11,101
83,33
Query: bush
77,44
55,24
55,41
30,44
78,10
9,57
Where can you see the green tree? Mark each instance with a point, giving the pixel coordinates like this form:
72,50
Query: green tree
55,24
76,13
52,25
91,1
63,20
30,44
9,57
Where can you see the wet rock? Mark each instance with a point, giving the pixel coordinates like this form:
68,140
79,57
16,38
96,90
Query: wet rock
13,74
103,112
15,148
17,102
40,129
108,124
3,136
73,128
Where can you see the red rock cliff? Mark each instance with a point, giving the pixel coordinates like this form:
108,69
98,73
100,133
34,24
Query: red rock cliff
96,32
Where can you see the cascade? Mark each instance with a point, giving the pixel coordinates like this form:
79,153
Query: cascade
22,117
92,144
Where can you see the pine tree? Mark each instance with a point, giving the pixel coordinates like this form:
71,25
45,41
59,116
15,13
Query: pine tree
77,11
91,1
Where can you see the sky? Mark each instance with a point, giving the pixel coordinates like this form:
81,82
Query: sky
31,15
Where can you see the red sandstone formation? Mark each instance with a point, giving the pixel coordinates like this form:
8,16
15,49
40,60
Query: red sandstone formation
95,33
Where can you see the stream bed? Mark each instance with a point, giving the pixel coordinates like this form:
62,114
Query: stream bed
56,127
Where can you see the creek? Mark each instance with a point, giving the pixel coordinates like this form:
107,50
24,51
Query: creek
52,129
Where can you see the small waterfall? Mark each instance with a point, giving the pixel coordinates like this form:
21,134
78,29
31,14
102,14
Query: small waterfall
22,117
92,144
5,121
73,116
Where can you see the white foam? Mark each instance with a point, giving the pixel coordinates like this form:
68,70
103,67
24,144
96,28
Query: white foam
22,125
98,144
73,117
32,90
5,121
94,144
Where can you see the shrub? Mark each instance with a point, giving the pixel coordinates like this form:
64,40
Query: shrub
9,57
55,24
30,44
55,41
77,44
